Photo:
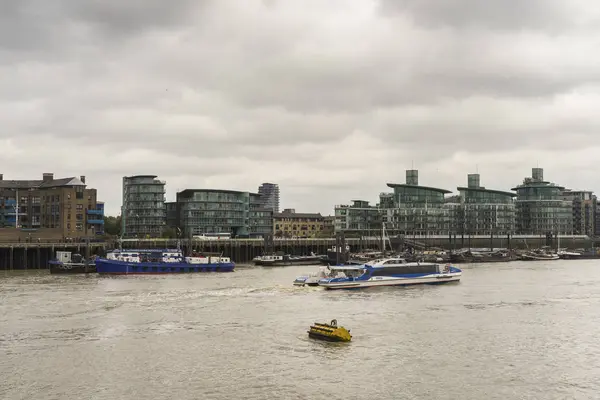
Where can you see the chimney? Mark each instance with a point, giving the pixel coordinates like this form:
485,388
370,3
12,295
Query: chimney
82,178
412,177
47,176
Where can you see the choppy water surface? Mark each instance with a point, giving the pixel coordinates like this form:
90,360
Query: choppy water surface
511,331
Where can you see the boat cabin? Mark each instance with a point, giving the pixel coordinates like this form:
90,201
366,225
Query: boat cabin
347,271
399,266
138,256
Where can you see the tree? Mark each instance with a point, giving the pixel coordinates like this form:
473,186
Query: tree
112,225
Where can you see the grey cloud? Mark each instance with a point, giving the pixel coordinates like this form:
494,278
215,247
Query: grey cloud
504,14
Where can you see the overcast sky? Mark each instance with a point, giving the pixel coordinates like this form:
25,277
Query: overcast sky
330,99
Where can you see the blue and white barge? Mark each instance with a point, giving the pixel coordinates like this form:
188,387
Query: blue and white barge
166,261
389,272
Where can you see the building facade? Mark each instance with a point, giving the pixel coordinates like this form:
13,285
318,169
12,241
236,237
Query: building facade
482,211
241,214
269,193
584,207
53,208
328,226
415,210
143,212
541,208
290,224
357,219
261,217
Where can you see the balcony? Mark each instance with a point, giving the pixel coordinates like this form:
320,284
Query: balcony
95,212
95,221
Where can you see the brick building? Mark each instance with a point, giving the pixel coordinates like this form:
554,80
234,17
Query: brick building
49,208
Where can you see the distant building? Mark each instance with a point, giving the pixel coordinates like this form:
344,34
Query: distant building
597,219
289,223
541,208
328,226
482,211
241,214
415,210
269,193
50,208
171,214
584,206
260,219
357,219
143,211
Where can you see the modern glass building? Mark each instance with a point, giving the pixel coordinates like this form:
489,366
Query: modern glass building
143,211
357,219
483,211
415,210
261,217
584,205
239,213
540,207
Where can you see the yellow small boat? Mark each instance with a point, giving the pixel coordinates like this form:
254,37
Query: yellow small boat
331,332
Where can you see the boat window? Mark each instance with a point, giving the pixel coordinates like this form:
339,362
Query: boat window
406,270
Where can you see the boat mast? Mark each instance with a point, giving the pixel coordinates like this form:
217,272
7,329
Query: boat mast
17,209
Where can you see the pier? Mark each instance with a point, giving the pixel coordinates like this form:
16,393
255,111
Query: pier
28,255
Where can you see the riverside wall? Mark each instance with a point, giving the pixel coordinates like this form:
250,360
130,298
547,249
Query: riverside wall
20,256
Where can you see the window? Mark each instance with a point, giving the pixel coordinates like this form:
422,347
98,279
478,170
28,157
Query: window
79,227
79,207
69,225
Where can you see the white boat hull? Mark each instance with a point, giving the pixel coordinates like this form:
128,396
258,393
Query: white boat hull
394,281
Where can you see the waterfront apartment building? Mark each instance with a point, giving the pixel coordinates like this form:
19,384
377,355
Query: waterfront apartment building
143,212
49,208
584,211
481,211
289,223
541,208
269,193
260,222
241,214
597,219
357,219
415,210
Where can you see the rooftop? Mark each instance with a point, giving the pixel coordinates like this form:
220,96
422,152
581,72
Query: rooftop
482,189
538,184
188,192
41,184
297,215
405,185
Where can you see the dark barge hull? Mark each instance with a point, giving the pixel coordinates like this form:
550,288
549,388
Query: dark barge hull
71,268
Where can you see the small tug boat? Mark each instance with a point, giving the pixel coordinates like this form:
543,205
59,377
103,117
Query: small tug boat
330,332
68,263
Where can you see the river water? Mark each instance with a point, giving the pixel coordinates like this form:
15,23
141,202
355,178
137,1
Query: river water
506,331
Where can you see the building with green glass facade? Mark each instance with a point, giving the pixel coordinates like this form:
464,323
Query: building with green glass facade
201,211
357,219
584,205
143,212
540,207
482,211
415,210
